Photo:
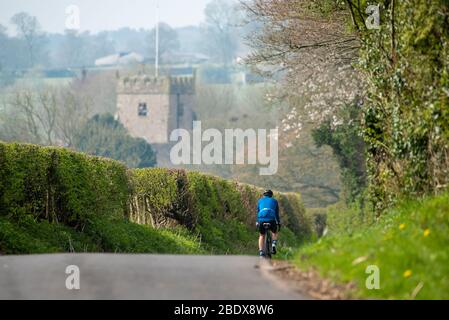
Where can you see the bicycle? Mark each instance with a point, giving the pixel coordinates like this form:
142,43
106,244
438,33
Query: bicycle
267,246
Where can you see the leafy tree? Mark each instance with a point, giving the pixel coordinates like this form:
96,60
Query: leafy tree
348,146
406,117
104,136
403,69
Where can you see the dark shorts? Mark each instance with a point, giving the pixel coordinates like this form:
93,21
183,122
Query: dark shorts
273,227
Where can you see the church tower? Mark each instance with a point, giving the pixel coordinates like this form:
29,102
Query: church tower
152,107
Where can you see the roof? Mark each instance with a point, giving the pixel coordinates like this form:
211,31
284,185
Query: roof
120,59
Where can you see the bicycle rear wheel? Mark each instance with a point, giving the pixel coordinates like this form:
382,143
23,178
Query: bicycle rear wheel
268,245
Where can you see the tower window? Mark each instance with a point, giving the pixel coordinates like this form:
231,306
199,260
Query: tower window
142,110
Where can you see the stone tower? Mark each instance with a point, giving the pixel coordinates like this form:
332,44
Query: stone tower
151,108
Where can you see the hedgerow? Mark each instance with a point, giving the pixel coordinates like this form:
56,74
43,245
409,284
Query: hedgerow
60,185
70,193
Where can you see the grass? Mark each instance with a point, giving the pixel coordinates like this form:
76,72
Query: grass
409,245
28,235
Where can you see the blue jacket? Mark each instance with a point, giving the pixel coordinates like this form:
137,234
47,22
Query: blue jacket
268,210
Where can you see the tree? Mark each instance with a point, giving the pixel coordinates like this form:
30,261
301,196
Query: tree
402,76
219,30
73,113
47,116
101,45
305,46
348,147
168,41
73,49
28,28
104,136
38,112
406,119
3,45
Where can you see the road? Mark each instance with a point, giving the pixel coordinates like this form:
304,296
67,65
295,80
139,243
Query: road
152,277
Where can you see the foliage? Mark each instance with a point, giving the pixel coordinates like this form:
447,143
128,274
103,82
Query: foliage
303,167
59,185
305,46
408,244
160,198
104,136
347,218
405,117
348,147
26,234
403,68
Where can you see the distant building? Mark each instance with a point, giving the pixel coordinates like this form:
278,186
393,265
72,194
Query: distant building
151,108
122,58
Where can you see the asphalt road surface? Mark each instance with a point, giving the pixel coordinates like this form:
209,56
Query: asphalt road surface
153,277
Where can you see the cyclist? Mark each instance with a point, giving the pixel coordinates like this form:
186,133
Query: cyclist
268,212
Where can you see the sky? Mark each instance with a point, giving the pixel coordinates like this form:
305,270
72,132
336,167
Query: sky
99,15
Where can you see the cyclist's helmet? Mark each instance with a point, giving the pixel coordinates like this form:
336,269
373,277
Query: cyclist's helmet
268,193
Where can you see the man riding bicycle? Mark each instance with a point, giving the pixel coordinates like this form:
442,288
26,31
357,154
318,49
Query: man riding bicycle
268,212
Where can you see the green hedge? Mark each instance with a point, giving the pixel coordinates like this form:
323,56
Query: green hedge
100,197
221,212
60,185
160,198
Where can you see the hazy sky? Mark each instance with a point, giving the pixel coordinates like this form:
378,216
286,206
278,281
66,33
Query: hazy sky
97,15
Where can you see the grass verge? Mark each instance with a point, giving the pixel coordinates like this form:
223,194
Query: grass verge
409,245
28,235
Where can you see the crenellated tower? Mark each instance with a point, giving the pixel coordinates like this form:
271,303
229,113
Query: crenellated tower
151,108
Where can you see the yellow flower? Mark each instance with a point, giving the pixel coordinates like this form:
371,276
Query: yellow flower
426,232
402,226
407,273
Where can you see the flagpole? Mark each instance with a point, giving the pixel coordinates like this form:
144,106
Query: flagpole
156,62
